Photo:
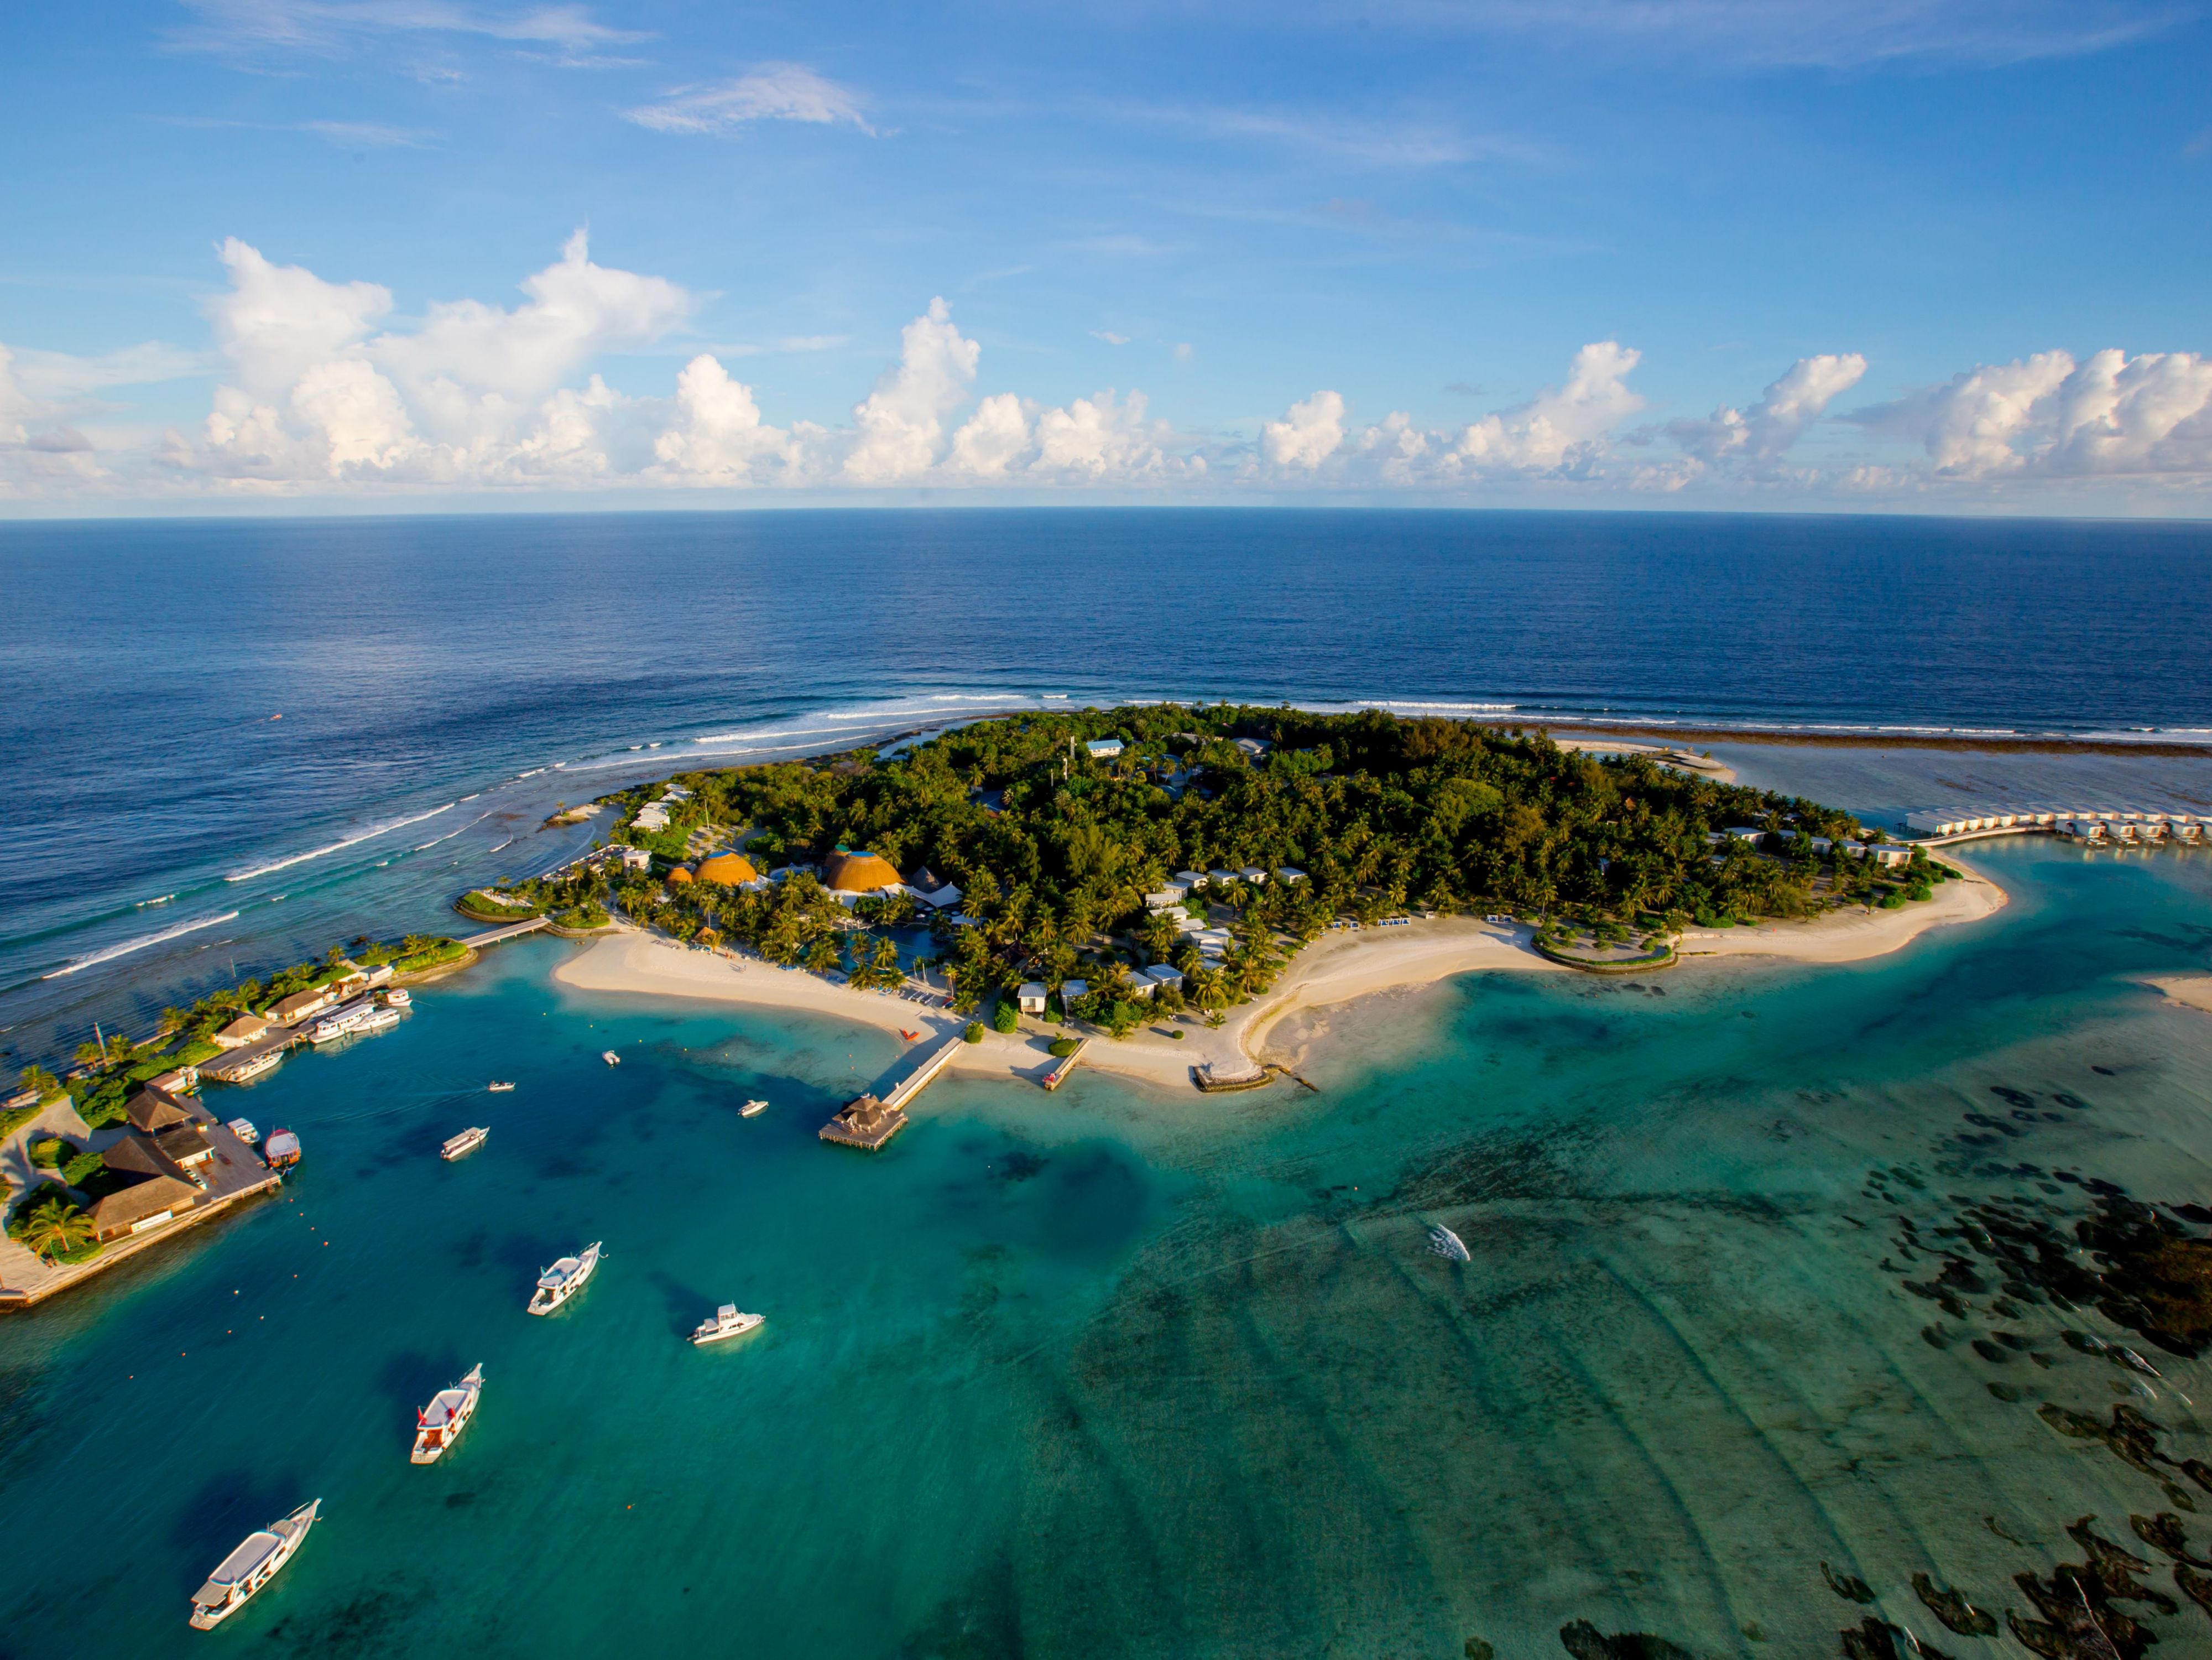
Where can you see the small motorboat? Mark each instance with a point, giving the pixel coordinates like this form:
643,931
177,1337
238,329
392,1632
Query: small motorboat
564,1279
610,1057
497,1088
244,1130
283,1151
1447,1245
461,1145
383,1019
725,1322
439,1425
251,1567
752,1109
398,998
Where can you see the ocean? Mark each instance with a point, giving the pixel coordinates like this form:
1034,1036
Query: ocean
1109,1371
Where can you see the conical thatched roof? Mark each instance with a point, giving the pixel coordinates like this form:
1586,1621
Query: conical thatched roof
858,872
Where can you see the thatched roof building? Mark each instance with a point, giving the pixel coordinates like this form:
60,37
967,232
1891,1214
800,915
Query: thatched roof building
858,872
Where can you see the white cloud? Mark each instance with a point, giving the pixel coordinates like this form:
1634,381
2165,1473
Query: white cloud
717,436
1307,435
2047,415
1560,429
1109,337
1758,436
325,26
897,427
994,438
773,91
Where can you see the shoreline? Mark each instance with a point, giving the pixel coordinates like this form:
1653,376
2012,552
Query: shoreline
1342,966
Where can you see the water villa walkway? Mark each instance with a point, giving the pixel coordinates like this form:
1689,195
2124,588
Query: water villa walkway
512,931
868,1124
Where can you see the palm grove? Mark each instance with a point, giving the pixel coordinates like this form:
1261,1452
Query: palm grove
1055,850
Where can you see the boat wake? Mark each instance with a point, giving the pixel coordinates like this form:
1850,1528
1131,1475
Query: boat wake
127,946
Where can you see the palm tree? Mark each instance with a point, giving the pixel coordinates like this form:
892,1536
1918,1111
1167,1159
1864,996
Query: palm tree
55,1229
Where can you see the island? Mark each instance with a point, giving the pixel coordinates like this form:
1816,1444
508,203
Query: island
1175,878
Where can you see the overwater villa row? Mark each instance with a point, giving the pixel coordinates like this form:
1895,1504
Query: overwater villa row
2124,826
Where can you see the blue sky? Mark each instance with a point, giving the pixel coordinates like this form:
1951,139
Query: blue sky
1884,254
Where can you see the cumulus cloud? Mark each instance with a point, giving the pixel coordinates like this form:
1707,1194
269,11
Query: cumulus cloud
773,91
898,425
2049,417
1307,435
1758,435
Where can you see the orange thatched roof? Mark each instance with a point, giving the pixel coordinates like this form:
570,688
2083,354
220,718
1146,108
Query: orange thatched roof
858,872
730,869
678,876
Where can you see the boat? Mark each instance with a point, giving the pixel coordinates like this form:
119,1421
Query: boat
726,1321
264,1062
1446,1243
380,1020
244,1130
282,1149
610,1057
497,1088
398,998
460,1147
439,1425
251,1567
752,1109
563,1280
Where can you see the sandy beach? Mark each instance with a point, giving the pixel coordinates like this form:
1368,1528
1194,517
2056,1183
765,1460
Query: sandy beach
1342,966
2194,989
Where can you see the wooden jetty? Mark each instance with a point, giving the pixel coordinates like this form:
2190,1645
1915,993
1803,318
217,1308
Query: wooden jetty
1213,1082
1058,1075
867,1123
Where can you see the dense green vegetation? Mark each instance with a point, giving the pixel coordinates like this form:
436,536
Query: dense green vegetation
1054,850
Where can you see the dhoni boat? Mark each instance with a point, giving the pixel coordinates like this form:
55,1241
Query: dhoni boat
725,1322
461,1145
564,1279
439,1425
251,1567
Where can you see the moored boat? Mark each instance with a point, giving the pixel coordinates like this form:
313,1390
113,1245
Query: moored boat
264,1062
460,1147
244,1130
610,1057
439,1425
725,1322
397,997
380,1020
282,1149
1446,1243
564,1279
251,1567
752,1109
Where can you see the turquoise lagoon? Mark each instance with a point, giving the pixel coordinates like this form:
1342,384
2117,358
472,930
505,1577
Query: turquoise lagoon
1119,1372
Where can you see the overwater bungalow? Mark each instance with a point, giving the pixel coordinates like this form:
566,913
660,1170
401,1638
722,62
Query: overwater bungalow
865,1123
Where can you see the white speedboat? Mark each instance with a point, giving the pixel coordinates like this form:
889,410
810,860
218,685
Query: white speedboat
564,1279
397,997
726,1322
753,1110
1446,1243
461,1145
498,1088
244,1130
439,1425
251,1567
610,1057
264,1062
380,1020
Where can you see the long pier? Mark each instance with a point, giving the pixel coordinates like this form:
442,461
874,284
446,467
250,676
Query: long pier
1939,827
1058,1075
868,1124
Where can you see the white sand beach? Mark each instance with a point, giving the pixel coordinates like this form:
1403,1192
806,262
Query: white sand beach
1338,968
2193,989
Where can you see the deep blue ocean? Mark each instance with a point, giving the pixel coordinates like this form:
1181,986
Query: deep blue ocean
1114,1371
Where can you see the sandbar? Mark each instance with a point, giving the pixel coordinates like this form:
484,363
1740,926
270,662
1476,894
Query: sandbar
2194,989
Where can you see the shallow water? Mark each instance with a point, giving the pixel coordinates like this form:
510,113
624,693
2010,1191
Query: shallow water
1118,1371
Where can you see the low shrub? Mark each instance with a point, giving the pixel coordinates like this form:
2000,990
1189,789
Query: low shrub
50,1152
83,1168
1061,1047
1005,1018
974,1032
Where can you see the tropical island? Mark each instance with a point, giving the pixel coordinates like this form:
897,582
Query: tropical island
1125,867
